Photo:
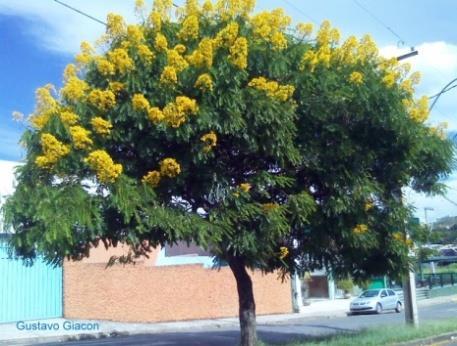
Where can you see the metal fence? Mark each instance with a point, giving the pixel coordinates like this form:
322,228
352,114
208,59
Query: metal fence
28,292
439,280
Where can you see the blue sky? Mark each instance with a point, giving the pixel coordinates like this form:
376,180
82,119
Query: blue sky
38,38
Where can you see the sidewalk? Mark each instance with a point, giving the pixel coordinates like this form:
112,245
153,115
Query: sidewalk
64,330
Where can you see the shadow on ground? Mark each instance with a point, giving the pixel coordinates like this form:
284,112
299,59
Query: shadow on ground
219,338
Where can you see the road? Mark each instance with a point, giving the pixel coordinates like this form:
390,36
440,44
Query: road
291,330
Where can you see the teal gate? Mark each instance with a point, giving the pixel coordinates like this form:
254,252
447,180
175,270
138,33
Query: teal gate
28,292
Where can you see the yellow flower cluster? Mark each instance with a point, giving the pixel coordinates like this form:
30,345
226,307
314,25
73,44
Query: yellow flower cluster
100,161
169,168
105,67
227,36
86,54
169,75
327,35
390,79
175,113
80,137
439,130
140,103
116,87
408,84
400,237
139,7
272,88
204,82
152,178
189,29
176,61
102,99
191,8
305,29
368,205
208,7
420,111
203,55
210,140
283,252
46,105
115,25
267,207
155,20
162,7
161,42
245,187
101,126
360,229
233,8
270,26
119,57
367,49
145,53
239,53
135,34
74,90
312,59
69,72
350,52
155,114
356,78
53,150
68,117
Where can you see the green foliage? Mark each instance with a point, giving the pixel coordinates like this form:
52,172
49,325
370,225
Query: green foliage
345,284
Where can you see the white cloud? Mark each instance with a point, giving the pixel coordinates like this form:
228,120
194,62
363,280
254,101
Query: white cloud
60,29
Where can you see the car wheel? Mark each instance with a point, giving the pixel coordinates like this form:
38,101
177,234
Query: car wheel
398,307
378,308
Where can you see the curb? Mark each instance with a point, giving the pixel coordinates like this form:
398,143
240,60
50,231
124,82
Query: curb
452,336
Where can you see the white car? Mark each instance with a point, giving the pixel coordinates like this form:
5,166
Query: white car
376,300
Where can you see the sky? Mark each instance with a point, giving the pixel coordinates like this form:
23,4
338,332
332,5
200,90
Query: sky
38,38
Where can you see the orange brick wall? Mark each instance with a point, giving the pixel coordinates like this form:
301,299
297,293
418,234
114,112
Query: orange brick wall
141,293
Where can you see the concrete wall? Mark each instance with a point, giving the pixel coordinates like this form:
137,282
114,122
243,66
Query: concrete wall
145,293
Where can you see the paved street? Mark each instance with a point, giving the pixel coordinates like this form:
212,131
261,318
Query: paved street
294,329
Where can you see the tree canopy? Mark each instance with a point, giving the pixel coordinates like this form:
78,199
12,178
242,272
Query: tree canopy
279,147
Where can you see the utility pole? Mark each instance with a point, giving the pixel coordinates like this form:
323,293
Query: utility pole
409,279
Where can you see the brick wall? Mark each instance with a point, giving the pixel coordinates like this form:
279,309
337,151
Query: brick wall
142,293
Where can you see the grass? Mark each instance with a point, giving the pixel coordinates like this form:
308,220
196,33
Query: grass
380,336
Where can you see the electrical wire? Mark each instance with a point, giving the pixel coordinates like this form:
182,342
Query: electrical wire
401,42
291,4
81,12
449,200
85,14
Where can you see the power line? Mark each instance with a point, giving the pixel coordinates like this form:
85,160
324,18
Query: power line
400,42
85,14
291,4
446,88
81,12
449,200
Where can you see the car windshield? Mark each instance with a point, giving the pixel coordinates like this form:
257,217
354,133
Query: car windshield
370,293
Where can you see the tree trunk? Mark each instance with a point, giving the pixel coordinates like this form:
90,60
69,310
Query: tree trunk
246,302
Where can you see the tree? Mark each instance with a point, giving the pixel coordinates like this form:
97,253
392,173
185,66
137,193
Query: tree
274,151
